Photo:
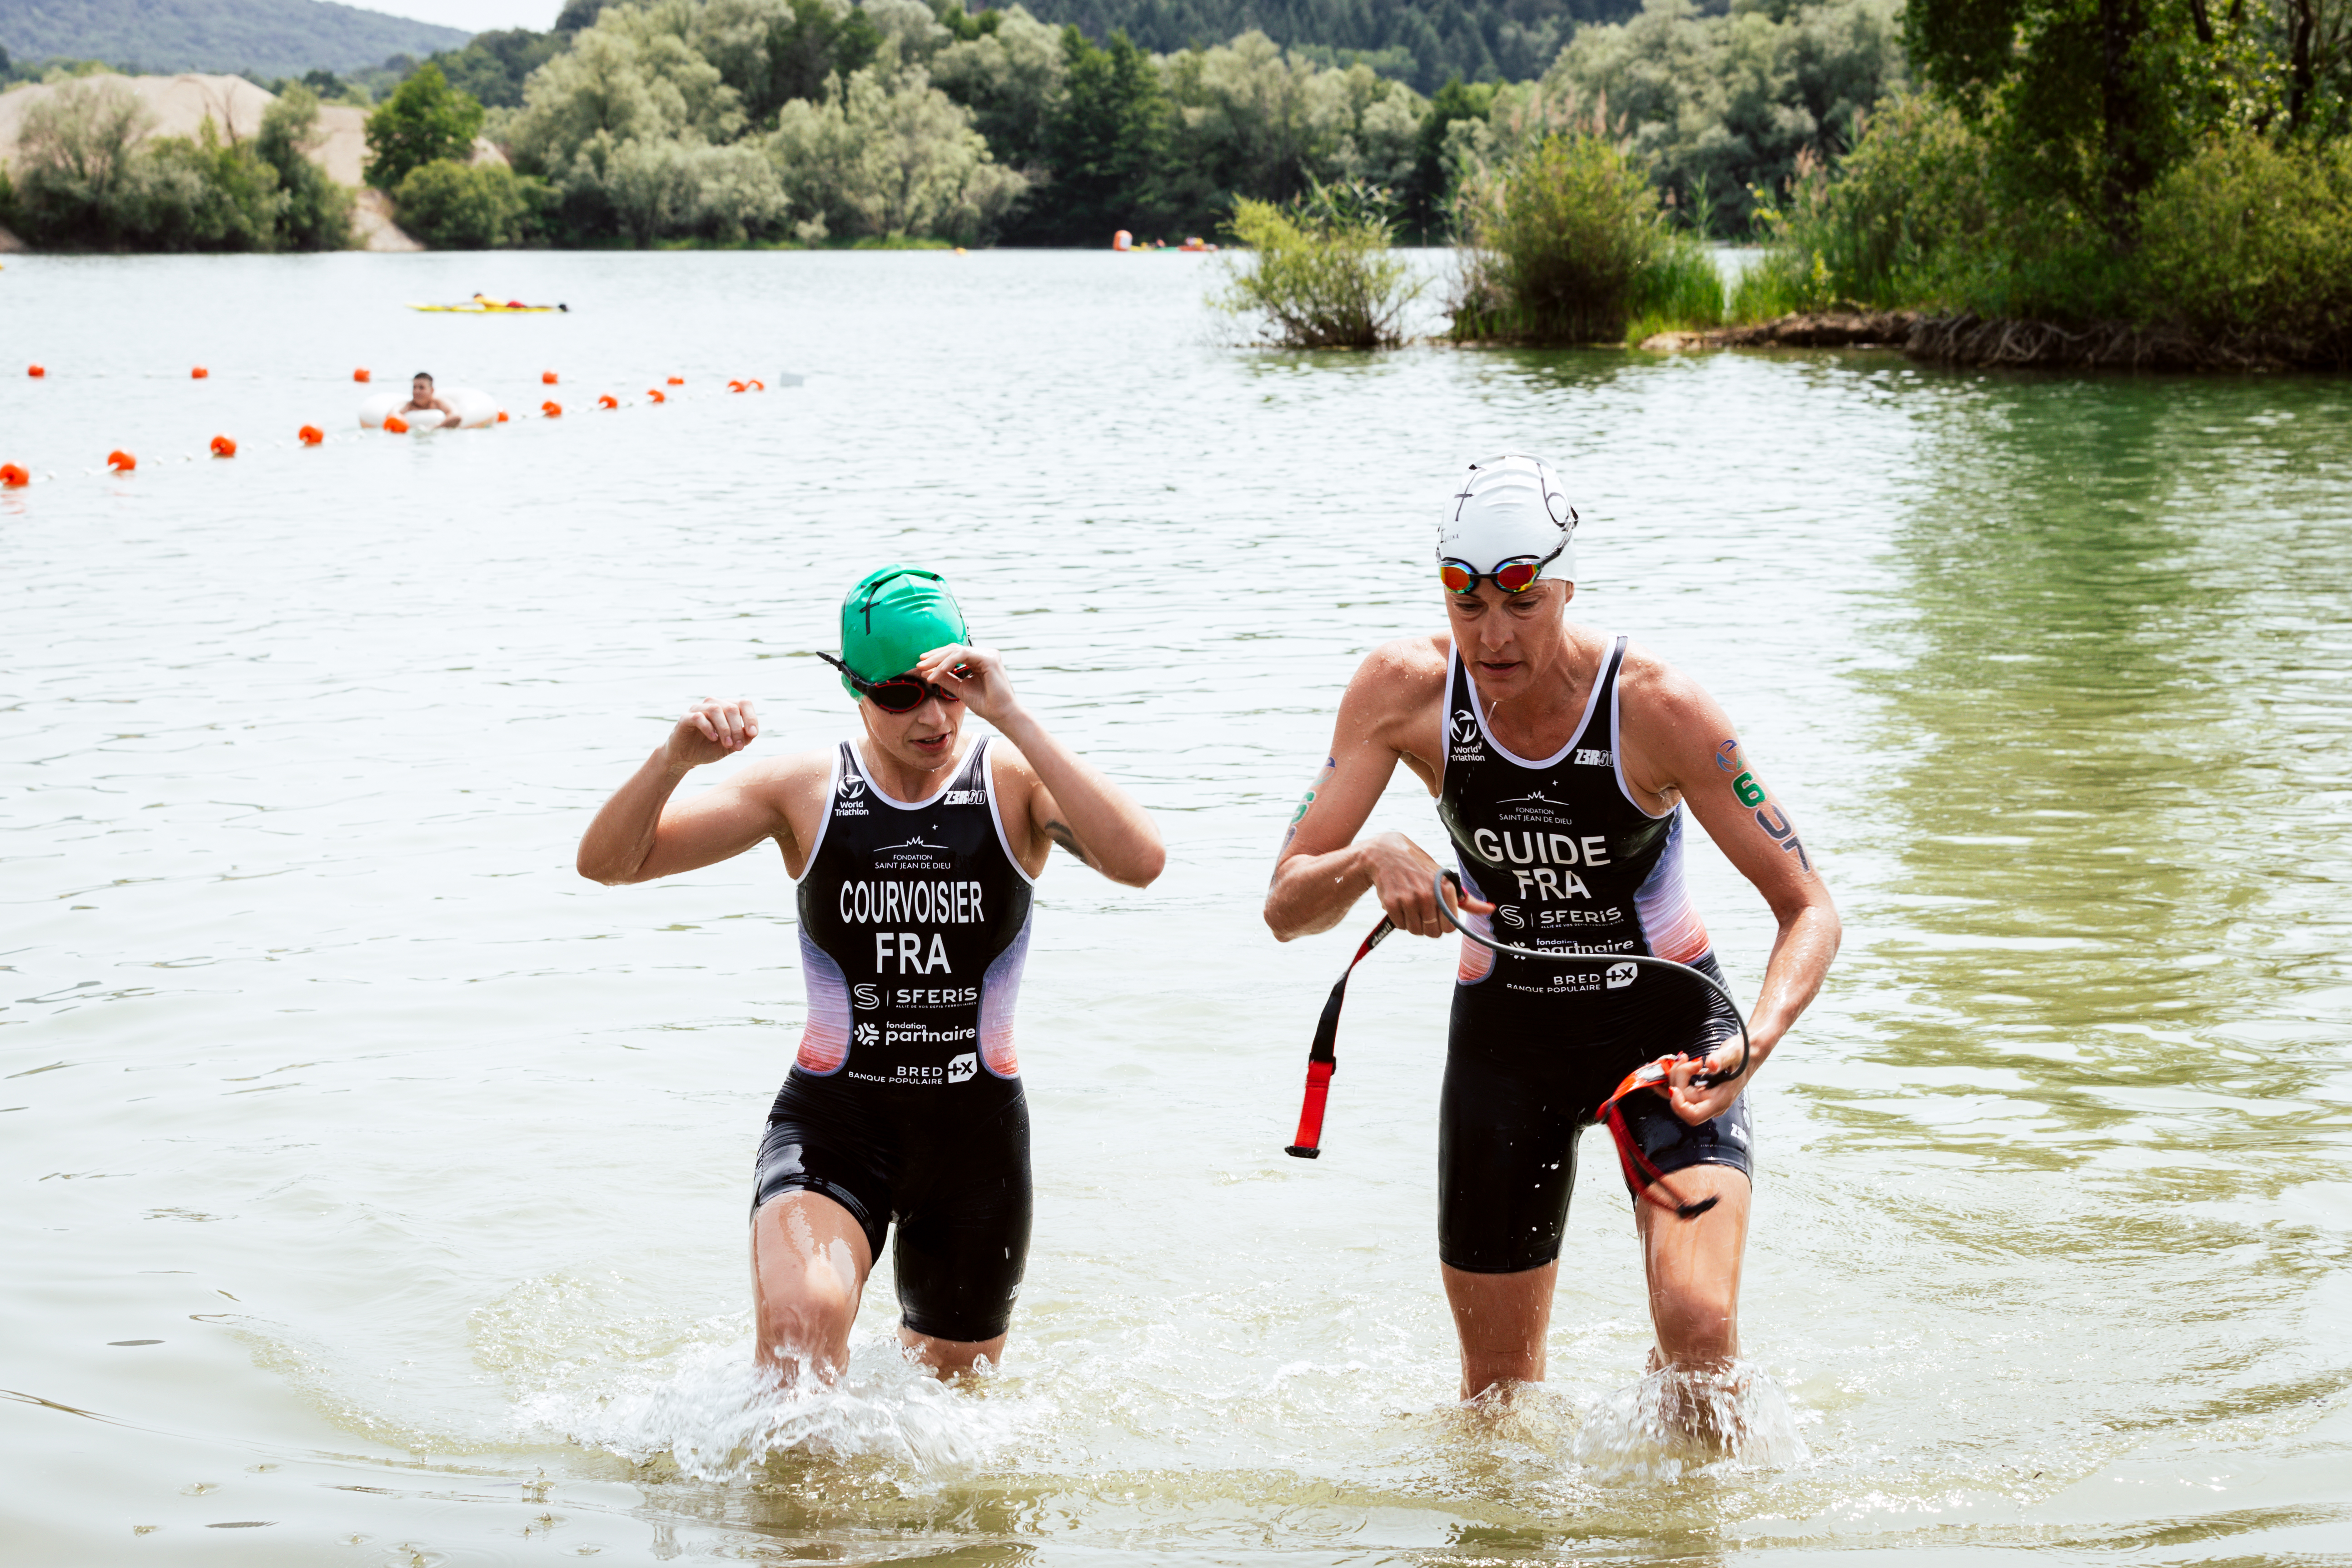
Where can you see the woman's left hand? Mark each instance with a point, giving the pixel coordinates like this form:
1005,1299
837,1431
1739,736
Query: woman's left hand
974,674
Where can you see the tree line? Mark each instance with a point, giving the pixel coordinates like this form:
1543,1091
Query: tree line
805,121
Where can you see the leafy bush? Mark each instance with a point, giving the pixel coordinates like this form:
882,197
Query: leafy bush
1566,243
2246,236
1320,273
451,205
424,121
202,196
87,176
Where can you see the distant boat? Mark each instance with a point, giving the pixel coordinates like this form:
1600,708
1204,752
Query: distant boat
483,305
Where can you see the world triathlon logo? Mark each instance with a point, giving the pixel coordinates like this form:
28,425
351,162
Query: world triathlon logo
1465,727
852,786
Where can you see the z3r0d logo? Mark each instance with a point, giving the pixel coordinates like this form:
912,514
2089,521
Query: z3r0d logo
1622,975
866,997
963,1067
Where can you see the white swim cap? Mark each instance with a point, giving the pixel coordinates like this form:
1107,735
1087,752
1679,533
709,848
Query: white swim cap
1510,509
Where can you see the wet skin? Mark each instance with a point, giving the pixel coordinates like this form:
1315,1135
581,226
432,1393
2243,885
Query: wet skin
1535,669
810,1260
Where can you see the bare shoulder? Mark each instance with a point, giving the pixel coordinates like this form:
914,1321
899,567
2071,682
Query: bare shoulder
1403,673
1008,770
794,779
1651,690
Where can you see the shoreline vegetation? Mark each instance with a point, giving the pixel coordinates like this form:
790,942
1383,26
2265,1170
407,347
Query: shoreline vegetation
2088,184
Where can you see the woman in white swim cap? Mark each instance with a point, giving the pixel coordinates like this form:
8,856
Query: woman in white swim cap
1562,758
1508,522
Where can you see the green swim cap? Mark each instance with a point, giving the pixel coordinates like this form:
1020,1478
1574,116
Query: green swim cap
892,618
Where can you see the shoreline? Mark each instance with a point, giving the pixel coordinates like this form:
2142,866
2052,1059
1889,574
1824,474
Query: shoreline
2009,342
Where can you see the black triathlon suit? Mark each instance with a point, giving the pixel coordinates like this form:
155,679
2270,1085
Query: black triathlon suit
1571,864
905,1103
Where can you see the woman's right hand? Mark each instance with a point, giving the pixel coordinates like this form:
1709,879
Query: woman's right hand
1403,875
713,728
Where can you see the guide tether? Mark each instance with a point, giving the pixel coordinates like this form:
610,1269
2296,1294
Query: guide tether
1640,1175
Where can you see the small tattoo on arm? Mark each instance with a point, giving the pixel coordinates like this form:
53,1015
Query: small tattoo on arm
1307,801
1059,832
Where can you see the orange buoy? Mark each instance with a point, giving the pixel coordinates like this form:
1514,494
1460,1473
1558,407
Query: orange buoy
734,386
502,415
759,386
396,424
607,400
37,370
224,447
198,374
310,435
360,375
552,409
677,381
121,461
13,478
547,378
656,394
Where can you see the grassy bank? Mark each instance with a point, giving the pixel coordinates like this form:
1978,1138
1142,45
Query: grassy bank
2239,252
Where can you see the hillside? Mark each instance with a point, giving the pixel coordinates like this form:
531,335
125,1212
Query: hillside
270,37
1420,41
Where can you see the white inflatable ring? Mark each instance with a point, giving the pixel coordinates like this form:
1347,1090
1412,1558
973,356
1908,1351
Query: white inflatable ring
476,410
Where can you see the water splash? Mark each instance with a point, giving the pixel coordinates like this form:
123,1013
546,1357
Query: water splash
1676,1423
717,1418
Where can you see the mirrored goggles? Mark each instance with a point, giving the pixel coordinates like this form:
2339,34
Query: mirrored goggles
1515,575
900,694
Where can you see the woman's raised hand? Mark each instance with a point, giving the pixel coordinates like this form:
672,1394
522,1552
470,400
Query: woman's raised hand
713,728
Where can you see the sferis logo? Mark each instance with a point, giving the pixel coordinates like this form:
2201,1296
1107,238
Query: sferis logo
866,996
1509,915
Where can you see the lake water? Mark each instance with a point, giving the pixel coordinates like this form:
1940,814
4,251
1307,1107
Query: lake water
376,1186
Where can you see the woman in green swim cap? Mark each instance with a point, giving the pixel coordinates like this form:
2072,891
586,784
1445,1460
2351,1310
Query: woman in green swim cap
914,852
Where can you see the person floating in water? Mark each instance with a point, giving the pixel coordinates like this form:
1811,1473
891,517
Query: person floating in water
422,399
1562,758
915,849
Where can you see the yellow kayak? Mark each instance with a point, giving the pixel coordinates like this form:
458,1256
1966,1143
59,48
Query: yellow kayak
483,305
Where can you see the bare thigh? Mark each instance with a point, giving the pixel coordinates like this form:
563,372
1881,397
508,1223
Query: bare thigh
1693,1267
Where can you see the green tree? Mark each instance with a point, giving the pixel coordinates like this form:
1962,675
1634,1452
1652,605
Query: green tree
2087,100
1432,182
1106,142
424,119
317,214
